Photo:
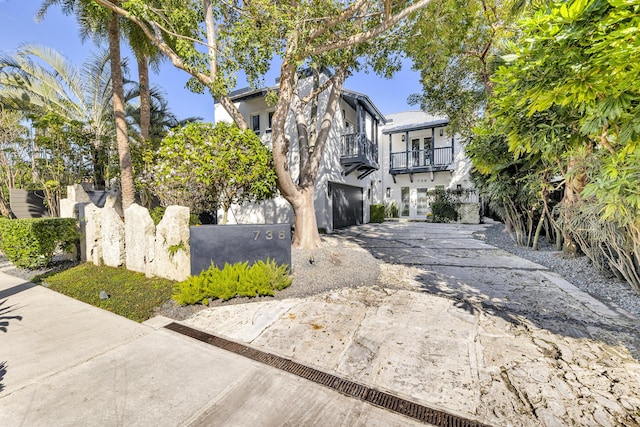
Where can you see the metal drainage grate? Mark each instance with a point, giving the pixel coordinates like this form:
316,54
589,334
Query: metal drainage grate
344,386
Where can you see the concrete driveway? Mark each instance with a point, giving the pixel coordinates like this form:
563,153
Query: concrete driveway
457,325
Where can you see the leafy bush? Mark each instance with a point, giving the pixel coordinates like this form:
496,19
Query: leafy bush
391,210
204,167
376,213
30,243
131,294
444,206
262,278
158,212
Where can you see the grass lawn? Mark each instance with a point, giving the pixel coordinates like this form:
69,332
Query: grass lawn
132,295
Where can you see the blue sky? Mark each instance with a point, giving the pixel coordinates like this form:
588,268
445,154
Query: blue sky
18,26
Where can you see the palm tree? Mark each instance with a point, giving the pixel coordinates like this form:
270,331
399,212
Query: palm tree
146,55
38,80
97,21
161,119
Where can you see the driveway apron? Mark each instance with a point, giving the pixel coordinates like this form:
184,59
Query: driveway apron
460,326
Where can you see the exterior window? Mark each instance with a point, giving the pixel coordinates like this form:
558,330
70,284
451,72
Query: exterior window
255,123
428,143
270,120
404,202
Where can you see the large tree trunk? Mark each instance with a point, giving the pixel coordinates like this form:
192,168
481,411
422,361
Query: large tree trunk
122,138
5,210
575,182
145,95
306,234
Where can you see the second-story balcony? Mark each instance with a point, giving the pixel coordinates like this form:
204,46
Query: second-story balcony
357,153
415,161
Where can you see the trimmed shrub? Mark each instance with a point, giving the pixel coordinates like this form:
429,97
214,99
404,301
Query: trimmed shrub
391,210
262,278
31,243
444,206
376,213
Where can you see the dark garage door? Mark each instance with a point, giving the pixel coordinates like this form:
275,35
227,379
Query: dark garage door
347,205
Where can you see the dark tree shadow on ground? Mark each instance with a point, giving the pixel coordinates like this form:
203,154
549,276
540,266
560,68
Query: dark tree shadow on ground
519,296
3,370
5,310
4,319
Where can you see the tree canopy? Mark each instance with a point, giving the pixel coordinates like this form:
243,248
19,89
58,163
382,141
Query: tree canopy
206,167
567,102
213,41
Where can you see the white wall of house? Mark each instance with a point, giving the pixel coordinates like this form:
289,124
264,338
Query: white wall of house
279,210
409,192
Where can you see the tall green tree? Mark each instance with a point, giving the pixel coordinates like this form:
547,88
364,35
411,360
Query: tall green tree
456,47
94,20
37,81
569,95
338,36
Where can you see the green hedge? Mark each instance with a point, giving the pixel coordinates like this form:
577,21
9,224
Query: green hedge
30,243
376,213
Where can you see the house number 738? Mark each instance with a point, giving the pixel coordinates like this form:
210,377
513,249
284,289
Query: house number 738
269,235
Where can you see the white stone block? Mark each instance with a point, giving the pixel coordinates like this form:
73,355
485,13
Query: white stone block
140,237
113,248
172,258
77,194
92,234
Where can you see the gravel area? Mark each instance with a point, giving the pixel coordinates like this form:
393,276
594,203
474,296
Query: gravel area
579,271
337,264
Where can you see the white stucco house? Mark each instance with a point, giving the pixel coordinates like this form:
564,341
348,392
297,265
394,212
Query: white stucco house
420,154
349,179
368,159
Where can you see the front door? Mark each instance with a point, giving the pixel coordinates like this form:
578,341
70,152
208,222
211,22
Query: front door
422,205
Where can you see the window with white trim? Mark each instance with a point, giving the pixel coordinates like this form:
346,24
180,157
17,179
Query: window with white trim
255,123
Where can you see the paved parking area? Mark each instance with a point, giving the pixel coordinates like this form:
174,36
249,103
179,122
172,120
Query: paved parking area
458,325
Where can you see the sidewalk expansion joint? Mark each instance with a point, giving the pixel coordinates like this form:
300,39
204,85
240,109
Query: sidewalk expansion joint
347,387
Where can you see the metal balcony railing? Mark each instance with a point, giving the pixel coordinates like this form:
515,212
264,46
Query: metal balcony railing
438,158
355,147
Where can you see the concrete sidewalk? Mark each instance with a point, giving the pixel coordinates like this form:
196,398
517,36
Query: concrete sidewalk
66,363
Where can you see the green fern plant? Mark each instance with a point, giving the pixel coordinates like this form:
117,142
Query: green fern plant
190,291
237,280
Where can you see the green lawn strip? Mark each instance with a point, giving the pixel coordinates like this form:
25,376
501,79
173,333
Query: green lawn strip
132,295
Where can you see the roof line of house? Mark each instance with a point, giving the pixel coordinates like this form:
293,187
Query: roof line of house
421,126
247,93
